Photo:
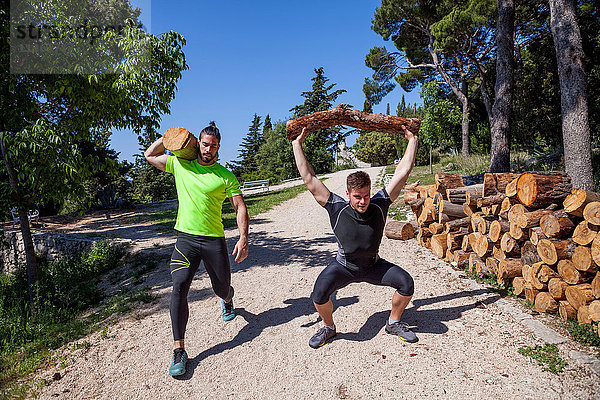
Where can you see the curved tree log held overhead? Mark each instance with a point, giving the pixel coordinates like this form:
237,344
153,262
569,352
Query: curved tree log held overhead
342,115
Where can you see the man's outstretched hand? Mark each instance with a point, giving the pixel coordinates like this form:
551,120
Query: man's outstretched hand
300,138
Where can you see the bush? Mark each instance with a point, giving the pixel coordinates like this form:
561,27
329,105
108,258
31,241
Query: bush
64,288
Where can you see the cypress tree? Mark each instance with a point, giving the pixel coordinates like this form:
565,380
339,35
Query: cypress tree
320,145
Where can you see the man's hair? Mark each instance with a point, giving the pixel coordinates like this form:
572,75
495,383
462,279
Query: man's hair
212,130
357,180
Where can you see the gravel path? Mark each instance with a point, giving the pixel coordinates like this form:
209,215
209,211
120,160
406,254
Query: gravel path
467,349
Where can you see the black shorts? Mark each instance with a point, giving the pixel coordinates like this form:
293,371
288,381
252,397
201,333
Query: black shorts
382,273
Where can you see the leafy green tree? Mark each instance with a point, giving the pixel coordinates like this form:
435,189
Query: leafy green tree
247,165
440,126
45,117
435,40
275,157
376,148
320,145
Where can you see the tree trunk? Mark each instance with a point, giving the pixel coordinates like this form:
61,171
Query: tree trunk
30,260
502,109
466,108
573,93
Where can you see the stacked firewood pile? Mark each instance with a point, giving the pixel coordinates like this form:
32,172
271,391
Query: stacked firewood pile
531,230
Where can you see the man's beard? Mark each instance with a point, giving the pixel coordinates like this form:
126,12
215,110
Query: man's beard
207,157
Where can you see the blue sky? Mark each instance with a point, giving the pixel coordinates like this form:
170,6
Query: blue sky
249,57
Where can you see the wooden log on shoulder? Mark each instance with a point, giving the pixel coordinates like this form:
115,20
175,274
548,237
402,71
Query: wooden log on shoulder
575,202
585,233
343,115
537,189
569,273
557,288
591,213
579,295
494,183
557,224
181,142
566,311
545,303
582,259
399,230
553,250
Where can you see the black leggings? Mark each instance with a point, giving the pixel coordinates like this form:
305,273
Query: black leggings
189,251
383,273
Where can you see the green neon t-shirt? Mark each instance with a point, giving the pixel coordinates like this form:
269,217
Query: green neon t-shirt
201,191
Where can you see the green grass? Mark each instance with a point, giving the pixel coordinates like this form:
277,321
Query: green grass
586,334
255,203
546,356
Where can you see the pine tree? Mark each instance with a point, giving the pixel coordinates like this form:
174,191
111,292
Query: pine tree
320,145
387,110
401,110
267,125
247,164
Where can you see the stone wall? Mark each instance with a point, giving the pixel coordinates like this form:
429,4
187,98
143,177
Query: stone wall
52,246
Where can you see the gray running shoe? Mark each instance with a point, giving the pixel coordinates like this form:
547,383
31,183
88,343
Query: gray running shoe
322,336
401,330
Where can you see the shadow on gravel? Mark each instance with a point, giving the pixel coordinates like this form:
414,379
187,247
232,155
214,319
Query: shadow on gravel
431,320
257,323
423,321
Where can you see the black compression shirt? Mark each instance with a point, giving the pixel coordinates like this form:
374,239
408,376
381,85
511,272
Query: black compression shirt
358,234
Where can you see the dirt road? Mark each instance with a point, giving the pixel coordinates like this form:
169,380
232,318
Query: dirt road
467,348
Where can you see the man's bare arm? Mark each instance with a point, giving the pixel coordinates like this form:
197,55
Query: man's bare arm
314,184
404,167
155,155
240,250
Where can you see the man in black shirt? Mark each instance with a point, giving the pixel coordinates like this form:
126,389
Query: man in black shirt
358,227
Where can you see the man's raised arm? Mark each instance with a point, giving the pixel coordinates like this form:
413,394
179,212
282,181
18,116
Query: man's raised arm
404,166
314,184
155,155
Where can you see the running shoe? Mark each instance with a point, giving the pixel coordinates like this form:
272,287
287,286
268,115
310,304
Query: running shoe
321,337
179,360
401,330
228,311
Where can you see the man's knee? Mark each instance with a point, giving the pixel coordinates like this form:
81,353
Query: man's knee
406,286
320,297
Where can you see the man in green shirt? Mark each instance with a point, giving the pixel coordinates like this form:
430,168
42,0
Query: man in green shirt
202,186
